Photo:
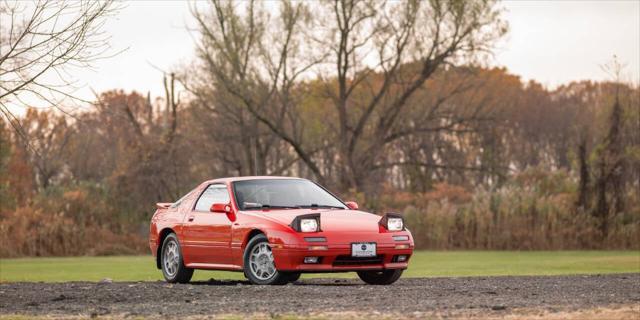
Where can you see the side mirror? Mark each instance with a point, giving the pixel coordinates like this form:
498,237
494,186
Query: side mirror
352,205
220,208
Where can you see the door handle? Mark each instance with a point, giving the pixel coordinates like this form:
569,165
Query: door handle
191,218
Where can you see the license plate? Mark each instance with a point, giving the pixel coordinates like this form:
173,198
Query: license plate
363,249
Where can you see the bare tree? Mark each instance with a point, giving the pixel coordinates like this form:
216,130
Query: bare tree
254,63
407,43
39,41
48,136
384,52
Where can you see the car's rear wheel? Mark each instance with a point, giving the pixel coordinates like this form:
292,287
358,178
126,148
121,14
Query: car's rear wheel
259,265
380,277
173,268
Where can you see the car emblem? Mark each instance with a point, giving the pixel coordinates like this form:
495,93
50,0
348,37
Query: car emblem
364,247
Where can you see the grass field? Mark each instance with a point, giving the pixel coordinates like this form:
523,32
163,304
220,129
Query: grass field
423,264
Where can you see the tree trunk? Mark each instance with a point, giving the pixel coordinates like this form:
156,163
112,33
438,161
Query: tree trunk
583,191
602,209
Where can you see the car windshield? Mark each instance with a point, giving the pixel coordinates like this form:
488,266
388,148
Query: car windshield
283,194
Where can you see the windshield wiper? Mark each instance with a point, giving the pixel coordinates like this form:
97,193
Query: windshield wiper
314,205
268,206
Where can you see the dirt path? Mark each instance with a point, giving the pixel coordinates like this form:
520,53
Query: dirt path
444,297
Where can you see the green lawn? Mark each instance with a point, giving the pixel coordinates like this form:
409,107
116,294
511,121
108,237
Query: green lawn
423,264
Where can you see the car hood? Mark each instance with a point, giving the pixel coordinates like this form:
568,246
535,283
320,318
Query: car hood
330,219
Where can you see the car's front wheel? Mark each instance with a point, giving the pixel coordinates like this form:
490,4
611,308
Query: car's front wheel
173,268
380,277
259,266
293,276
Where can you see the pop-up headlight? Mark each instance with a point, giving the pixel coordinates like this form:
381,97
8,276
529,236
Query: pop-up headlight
392,222
306,223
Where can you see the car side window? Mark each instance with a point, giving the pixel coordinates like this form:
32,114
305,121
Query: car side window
179,202
215,193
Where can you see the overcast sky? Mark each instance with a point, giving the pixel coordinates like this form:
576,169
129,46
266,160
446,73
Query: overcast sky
552,42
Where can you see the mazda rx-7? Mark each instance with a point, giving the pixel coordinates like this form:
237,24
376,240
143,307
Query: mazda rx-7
273,229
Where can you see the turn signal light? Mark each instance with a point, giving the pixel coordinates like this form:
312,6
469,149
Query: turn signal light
318,248
402,246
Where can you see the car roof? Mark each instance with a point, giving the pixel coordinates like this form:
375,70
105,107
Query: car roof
232,179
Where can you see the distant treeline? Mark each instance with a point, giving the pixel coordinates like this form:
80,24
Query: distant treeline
382,102
543,169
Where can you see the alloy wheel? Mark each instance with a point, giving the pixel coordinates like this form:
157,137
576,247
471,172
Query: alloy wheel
261,262
171,258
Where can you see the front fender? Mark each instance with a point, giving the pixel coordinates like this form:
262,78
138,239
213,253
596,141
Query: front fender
248,225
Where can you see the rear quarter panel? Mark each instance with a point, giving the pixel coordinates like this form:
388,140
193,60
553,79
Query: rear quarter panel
163,219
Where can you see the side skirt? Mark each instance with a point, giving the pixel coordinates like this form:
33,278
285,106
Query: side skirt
211,266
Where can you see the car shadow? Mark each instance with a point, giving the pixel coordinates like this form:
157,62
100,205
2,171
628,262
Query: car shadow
213,282
310,283
327,284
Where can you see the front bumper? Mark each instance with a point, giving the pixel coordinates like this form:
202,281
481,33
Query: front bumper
337,257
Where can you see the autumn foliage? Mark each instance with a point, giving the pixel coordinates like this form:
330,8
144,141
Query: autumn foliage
87,185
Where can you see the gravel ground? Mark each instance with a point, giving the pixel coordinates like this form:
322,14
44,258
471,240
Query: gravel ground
411,297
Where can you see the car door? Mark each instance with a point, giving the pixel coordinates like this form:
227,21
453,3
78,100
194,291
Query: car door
207,235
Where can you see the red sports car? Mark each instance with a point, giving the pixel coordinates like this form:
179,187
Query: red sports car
273,229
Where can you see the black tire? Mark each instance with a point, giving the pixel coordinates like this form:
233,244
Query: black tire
380,277
292,276
277,278
181,274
